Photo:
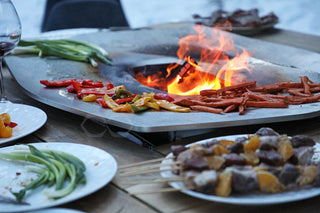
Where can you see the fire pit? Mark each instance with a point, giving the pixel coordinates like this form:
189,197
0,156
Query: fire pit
141,54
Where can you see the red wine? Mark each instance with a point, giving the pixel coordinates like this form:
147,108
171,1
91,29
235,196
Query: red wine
6,47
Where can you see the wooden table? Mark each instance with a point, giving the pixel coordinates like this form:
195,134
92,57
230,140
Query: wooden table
62,126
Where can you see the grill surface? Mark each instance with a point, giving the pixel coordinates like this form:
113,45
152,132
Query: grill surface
138,48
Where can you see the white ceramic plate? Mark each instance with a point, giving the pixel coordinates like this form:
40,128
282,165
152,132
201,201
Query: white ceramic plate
57,210
100,169
247,199
28,118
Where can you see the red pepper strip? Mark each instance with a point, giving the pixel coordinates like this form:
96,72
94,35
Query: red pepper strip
70,88
57,83
163,96
77,86
11,125
86,83
62,82
109,85
101,91
123,100
102,102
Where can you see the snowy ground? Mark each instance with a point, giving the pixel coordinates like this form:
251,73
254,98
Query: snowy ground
298,15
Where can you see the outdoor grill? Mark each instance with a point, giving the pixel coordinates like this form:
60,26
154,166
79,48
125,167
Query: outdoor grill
151,50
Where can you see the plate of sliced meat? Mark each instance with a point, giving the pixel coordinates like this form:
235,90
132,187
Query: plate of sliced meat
263,168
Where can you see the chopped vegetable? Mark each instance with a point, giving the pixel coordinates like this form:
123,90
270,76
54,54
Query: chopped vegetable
121,93
53,167
6,125
65,48
116,98
172,107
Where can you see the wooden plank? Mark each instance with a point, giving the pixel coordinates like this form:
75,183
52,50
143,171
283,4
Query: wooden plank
291,38
109,199
166,202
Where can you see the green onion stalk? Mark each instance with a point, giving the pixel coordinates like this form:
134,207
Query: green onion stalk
64,48
52,167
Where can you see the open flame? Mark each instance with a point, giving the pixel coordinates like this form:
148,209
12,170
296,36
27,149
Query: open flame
214,70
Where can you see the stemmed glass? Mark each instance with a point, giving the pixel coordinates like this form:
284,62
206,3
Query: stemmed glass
10,33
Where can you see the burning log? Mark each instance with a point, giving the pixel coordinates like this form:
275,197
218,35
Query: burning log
188,67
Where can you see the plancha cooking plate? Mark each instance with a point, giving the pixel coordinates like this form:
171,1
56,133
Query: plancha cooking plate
138,48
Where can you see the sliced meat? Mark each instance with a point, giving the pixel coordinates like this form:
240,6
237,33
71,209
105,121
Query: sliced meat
244,180
302,155
302,140
177,149
270,157
234,159
206,181
289,174
198,164
268,142
236,148
266,131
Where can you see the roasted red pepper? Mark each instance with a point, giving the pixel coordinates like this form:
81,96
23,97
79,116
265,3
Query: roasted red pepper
96,91
11,125
77,86
109,85
163,96
102,102
63,82
123,100
58,83
87,84
70,88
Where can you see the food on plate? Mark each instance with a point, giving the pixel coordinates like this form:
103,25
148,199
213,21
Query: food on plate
64,48
116,98
266,162
6,125
238,18
249,94
54,168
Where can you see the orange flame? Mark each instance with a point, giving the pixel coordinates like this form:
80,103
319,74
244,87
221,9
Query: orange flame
214,70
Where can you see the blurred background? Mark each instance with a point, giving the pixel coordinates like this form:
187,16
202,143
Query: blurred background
297,15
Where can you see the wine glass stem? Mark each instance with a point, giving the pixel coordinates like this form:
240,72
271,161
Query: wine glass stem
2,93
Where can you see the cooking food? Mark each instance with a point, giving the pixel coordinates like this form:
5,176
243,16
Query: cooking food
116,98
54,168
263,162
6,125
227,99
249,94
238,18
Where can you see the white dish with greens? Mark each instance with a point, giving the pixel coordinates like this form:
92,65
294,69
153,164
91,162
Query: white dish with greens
64,171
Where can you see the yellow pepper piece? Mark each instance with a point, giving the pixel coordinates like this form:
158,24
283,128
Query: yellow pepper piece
142,101
89,98
152,105
111,104
5,131
151,95
172,107
147,100
122,108
117,87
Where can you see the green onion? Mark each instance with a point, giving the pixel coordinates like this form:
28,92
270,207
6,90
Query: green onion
53,167
64,48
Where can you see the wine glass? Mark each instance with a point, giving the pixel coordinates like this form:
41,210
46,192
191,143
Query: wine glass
10,33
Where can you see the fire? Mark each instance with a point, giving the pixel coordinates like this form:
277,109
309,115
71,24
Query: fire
215,68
